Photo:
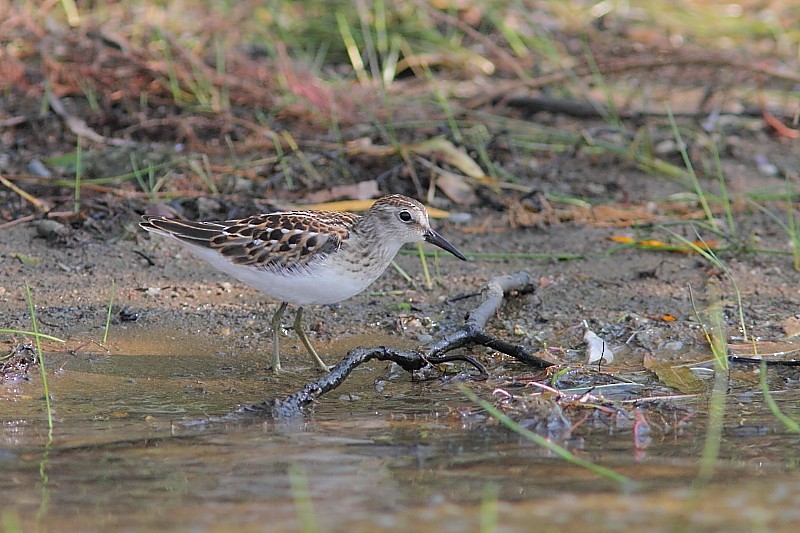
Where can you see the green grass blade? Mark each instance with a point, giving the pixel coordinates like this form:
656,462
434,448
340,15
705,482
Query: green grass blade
489,507
32,334
402,272
423,261
108,315
708,254
37,336
351,47
716,415
76,200
723,188
302,500
790,424
701,196
713,327
10,521
71,11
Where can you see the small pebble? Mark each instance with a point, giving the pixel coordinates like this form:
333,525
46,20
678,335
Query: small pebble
127,315
349,397
673,346
49,229
710,123
153,291
765,167
37,168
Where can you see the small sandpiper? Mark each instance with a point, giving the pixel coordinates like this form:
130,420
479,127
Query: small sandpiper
306,257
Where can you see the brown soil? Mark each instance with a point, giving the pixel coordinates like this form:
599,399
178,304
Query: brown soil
131,446
628,296
638,300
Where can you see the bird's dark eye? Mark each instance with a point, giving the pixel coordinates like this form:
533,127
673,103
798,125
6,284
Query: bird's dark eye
405,216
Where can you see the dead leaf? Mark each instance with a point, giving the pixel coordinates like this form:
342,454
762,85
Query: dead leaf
620,215
356,206
449,153
452,184
455,188
680,378
27,259
653,244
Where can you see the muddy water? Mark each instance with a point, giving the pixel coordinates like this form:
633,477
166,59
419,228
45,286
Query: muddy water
381,453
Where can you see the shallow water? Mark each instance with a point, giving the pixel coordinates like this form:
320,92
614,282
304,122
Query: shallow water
399,456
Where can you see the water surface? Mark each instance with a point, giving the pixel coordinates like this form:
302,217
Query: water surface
381,453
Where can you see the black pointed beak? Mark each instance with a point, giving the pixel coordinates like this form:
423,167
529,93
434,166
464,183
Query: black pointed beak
434,238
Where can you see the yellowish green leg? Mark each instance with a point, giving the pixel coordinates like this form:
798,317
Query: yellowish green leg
276,332
298,327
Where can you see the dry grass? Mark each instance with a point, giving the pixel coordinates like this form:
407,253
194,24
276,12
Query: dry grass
287,98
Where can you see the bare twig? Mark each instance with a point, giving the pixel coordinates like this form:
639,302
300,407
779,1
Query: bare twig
13,121
471,333
759,360
38,204
16,221
504,90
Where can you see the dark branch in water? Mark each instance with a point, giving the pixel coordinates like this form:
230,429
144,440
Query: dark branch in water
758,361
470,334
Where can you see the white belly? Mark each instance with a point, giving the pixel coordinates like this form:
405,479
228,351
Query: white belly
325,285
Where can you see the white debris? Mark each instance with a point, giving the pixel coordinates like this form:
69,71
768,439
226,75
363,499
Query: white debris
596,348
153,292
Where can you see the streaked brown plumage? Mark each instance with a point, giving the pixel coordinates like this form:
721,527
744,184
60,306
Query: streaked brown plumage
306,257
